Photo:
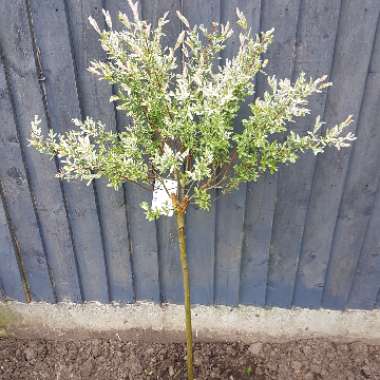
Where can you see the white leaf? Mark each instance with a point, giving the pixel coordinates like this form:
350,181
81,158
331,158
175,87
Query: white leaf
183,19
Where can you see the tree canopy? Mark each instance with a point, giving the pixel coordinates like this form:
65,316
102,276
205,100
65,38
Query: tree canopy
183,103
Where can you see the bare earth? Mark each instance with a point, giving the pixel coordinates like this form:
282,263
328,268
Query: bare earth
113,359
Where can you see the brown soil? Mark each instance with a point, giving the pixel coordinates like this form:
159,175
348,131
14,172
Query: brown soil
113,359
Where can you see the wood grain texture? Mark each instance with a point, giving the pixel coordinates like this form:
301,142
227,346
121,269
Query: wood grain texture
352,54
359,191
284,17
231,209
314,52
62,106
366,283
46,189
200,226
19,88
169,269
10,279
94,101
143,234
144,246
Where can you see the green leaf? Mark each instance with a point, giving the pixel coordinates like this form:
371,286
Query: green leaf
185,125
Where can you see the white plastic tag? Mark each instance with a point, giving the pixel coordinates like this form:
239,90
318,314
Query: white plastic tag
161,198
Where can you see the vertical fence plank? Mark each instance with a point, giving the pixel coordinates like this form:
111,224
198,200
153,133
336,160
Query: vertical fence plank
248,261
367,278
359,192
352,55
14,178
314,53
258,222
229,225
242,256
283,16
46,190
231,208
352,50
169,268
200,233
144,246
200,229
143,234
115,7
94,100
366,283
17,195
53,39
10,278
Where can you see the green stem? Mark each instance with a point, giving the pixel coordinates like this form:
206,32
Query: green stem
180,214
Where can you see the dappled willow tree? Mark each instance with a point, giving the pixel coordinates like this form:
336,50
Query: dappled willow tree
184,139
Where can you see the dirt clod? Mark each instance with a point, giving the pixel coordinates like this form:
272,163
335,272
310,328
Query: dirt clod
255,348
113,359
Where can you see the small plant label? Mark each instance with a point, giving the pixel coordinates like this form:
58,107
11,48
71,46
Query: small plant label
161,199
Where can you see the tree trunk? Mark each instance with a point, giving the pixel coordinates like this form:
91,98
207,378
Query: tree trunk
180,214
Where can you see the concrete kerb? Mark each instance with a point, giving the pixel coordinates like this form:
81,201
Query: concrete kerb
164,323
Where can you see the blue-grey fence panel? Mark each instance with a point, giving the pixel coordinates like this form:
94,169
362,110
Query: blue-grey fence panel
356,32
143,234
231,208
366,285
285,18
92,97
46,190
359,191
17,83
10,277
62,106
348,75
200,227
239,214
316,34
366,281
308,236
258,223
144,246
169,268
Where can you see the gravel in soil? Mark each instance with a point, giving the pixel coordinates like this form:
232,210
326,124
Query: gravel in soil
113,359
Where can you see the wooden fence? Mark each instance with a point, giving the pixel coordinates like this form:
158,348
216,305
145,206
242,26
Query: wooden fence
309,236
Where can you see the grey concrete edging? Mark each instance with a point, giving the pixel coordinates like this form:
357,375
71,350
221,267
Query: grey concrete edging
152,322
